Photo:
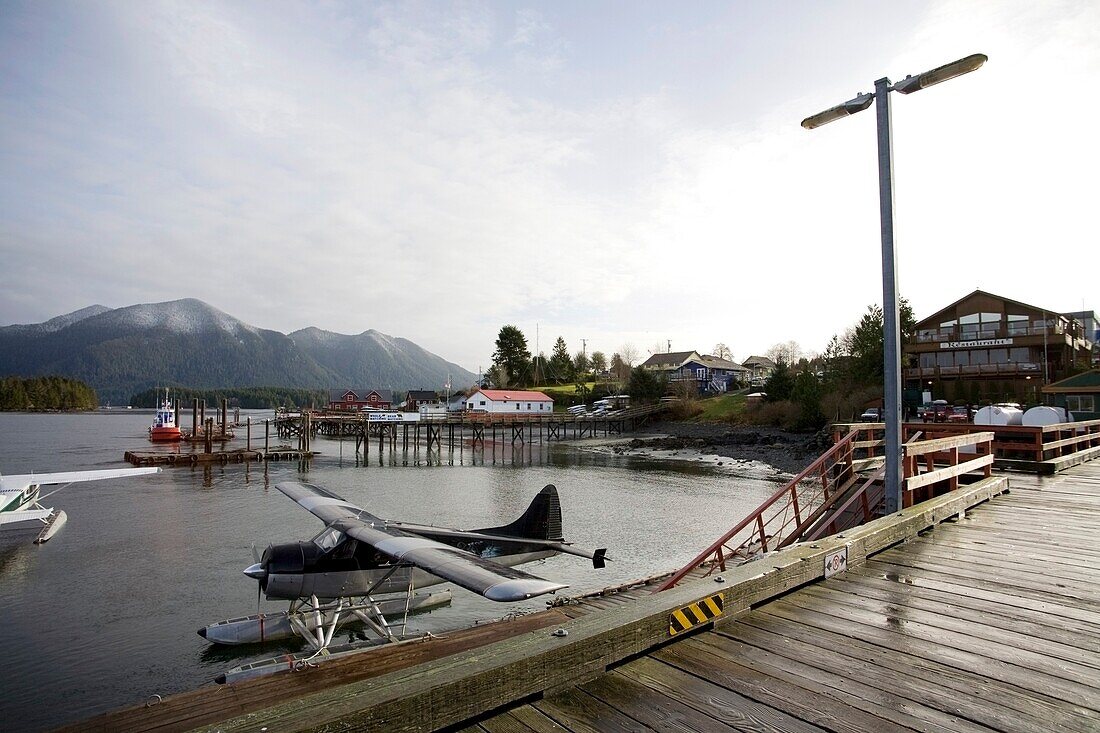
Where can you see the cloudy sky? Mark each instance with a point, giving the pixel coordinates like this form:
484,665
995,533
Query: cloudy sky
613,172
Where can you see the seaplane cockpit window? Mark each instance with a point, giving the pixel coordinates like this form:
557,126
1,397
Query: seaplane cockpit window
346,550
328,538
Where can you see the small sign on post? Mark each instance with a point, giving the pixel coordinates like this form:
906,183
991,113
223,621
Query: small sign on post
836,562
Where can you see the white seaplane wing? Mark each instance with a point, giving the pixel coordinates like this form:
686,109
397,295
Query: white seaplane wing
19,482
494,581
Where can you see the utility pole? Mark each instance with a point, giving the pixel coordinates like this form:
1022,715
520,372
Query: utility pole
668,348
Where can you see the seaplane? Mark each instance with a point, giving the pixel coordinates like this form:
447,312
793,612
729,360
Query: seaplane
22,515
362,568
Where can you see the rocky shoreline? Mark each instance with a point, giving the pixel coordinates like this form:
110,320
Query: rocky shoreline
786,451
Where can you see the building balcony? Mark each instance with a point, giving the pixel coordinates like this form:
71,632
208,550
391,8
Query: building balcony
974,370
982,333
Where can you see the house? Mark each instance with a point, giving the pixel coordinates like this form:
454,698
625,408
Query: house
417,397
984,347
1080,394
457,402
759,369
509,401
360,399
709,373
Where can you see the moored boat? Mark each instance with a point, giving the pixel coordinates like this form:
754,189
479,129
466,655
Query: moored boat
164,428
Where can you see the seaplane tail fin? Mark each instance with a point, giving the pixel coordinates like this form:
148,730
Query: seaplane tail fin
541,521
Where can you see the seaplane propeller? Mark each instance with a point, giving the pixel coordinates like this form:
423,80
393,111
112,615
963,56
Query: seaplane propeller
358,557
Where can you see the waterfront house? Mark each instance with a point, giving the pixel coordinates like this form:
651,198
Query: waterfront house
709,374
360,399
417,397
509,401
758,369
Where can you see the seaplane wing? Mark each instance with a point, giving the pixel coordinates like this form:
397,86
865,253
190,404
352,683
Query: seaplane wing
22,481
494,581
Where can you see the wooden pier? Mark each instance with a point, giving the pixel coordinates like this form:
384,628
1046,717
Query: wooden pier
977,609
210,434
471,428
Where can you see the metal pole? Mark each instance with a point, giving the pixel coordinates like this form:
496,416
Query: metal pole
891,357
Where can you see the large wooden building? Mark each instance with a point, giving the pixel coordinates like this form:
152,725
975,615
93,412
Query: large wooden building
986,348
360,399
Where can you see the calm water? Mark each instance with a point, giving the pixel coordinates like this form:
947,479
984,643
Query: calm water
105,614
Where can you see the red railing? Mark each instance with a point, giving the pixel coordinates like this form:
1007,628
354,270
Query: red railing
831,495
781,513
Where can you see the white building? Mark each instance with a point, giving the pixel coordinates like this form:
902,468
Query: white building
509,400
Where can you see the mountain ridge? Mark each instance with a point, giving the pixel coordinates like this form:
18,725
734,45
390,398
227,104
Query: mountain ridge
187,342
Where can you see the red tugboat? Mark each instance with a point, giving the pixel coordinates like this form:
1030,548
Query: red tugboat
164,428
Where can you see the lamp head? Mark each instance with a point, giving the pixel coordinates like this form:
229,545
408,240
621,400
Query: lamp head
857,104
912,84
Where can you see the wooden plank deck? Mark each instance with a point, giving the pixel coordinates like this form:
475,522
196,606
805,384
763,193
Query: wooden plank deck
988,623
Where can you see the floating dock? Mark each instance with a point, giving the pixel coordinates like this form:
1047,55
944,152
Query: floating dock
222,457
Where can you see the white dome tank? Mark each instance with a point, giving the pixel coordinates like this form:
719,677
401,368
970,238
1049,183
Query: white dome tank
1046,415
999,415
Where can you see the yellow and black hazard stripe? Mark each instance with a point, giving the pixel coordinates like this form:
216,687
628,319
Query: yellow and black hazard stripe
695,614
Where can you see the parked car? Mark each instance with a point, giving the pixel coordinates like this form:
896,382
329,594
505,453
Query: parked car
871,414
959,414
936,412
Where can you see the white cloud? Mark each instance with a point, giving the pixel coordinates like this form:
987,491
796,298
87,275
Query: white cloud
387,167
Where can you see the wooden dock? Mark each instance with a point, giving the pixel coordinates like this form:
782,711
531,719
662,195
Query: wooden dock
991,622
974,610
219,457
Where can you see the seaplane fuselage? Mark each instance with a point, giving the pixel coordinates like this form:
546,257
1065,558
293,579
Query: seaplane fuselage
295,570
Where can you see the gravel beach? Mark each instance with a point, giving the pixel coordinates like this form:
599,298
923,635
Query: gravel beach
786,451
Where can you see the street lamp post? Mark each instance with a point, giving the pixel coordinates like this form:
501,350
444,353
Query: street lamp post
890,327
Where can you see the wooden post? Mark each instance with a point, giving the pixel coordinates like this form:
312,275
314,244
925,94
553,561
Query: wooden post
248,434
267,436
225,416
194,417
208,435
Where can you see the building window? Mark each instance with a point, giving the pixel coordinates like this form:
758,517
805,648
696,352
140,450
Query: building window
1081,403
517,405
528,405
482,403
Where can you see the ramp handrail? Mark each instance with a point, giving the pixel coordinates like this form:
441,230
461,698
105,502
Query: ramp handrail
842,498
827,476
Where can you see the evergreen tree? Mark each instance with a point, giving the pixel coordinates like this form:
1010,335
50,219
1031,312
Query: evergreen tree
561,364
645,385
511,356
780,383
580,363
598,362
866,346
806,393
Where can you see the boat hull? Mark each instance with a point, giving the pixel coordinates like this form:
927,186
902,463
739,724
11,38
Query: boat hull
165,435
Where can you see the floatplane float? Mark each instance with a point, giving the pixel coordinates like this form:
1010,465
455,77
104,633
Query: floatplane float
363,569
22,516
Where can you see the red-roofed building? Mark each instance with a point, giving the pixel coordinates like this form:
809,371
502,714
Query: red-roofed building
509,400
